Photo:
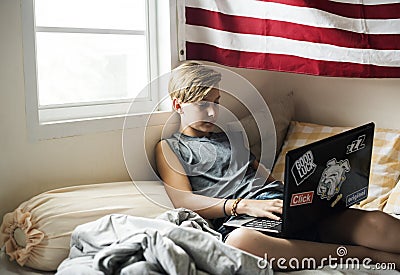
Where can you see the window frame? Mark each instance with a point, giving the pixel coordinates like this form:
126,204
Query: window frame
58,127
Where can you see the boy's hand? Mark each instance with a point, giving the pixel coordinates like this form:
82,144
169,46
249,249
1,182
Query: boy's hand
261,208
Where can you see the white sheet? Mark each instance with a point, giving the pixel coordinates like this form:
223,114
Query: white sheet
11,268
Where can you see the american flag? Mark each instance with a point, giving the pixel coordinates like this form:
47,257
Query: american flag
342,38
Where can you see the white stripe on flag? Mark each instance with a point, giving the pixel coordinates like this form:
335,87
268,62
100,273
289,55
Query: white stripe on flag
277,45
298,15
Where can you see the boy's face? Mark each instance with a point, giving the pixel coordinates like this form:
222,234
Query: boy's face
198,118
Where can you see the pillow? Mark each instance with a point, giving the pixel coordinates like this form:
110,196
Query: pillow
393,203
252,133
37,234
385,167
282,110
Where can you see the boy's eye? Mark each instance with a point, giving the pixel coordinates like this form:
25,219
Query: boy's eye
203,104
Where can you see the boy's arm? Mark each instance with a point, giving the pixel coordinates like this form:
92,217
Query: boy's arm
179,191
178,186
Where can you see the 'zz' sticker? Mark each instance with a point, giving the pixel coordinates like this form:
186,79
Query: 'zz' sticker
356,145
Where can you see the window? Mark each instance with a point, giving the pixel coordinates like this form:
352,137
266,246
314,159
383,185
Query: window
91,59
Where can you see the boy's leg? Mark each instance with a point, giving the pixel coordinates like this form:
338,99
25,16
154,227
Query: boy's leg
373,229
298,251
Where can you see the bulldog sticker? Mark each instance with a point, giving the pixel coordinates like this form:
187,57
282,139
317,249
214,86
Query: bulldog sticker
332,178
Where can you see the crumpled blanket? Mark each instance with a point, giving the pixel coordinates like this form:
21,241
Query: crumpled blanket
177,242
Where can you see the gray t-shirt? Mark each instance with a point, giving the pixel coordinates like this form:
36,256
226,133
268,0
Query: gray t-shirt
217,169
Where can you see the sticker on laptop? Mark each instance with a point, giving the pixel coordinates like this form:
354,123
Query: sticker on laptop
302,198
338,198
356,145
332,178
357,196
303,167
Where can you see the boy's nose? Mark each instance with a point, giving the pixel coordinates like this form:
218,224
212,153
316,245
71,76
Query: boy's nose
212,111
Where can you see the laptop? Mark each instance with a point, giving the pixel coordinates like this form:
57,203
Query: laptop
321,179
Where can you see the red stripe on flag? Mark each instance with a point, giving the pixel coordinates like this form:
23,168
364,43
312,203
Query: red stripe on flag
286,63
248,25
380,11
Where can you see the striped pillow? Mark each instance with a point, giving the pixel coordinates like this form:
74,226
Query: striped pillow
385,168
393,203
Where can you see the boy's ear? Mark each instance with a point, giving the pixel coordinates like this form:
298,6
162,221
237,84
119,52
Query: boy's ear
176,104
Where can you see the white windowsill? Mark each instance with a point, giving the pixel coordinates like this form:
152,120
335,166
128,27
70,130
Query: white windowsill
62,129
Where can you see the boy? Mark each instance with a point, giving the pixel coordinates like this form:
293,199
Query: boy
216,176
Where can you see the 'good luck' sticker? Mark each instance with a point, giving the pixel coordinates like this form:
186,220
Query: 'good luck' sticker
303,167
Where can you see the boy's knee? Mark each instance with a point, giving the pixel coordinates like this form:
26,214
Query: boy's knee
371,228
375,220
241,237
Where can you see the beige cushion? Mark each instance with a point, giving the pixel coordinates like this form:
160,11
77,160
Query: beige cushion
37,233
282,111
385,167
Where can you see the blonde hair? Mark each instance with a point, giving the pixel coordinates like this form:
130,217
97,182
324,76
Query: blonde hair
192,81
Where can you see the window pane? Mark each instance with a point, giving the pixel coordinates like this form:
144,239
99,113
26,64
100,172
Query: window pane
102,14
90,67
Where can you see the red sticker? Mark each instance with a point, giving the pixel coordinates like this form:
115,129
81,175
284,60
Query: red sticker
302,198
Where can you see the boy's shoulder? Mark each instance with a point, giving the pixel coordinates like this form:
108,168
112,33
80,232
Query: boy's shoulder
222,136
162,148
172,138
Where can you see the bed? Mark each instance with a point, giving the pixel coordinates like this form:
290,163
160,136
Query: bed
57,223
36,236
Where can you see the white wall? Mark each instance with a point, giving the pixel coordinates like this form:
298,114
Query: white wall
343,101
28,168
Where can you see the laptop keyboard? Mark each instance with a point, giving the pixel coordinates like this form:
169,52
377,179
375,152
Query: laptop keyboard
262,223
